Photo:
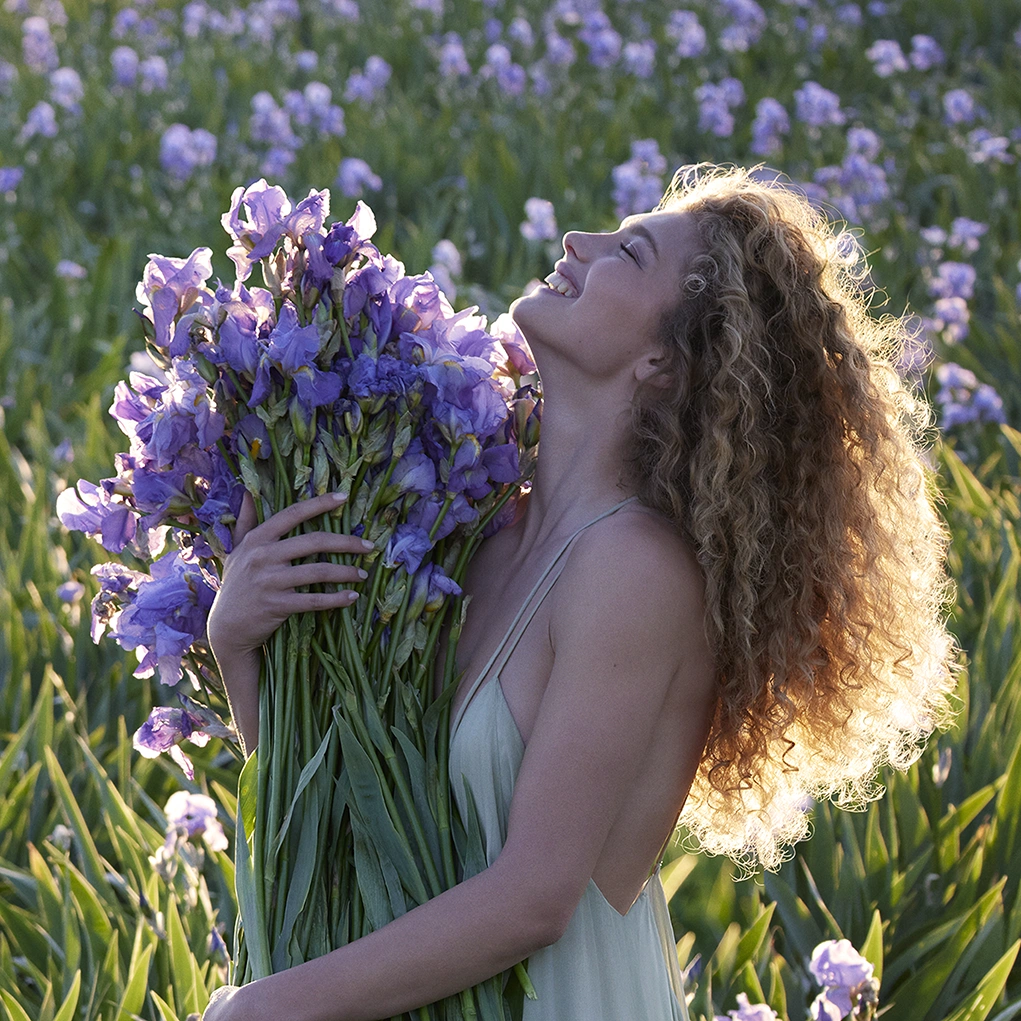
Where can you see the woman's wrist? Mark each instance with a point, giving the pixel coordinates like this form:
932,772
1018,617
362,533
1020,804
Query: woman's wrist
240,670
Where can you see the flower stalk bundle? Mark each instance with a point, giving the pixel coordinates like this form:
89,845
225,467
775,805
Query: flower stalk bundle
342,374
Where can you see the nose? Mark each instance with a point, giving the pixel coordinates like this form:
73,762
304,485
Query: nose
578,244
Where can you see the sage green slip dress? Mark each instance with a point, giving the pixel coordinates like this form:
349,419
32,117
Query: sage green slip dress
606,966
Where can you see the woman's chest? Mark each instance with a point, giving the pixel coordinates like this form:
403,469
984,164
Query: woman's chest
505,640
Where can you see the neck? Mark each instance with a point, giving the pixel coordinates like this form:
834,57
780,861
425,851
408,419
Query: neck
581,453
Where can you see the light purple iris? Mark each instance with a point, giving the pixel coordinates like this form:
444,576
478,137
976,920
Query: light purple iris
540,222
748,1011
195,814
959,107
453,63
183,415
771,121
843,973
408,545
507,332
817,106
683,27
167,615
37,46
954,280
10,178
66,89
749,22
355,176
41,120
169,287
887,57
91,509
925,52
429,587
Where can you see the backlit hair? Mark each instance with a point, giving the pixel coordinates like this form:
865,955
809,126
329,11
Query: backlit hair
790,453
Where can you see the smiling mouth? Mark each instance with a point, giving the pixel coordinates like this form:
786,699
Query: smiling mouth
561,285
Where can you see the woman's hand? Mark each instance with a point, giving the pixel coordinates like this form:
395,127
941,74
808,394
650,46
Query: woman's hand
257,590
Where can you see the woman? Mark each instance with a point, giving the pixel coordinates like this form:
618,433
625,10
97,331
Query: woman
722,597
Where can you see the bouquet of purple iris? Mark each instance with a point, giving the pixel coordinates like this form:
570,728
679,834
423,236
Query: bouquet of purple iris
341,374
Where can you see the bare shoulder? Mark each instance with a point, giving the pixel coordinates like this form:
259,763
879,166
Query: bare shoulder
632,576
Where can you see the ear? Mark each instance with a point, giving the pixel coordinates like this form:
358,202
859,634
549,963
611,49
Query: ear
649,368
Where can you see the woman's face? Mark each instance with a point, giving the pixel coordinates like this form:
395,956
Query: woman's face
603,304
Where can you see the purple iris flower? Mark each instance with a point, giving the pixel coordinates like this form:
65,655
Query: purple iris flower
116,586
501,462
167,614
423,296
252,431
466,473
183,415
425,511
507,332
291,350
222,504
170,287
239,338
92,510
269,217
408,545
429,587
415,472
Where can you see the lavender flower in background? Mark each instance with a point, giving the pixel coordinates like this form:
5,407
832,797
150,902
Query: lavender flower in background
950,318
953,280
446,266
68,270
10,178
817,107
749,22
959,107
638,183
684,28
354,176
195,815
559,51
985,147
541,222
510,77
366,85
271,123
492,30
520,32
66,89
640,58
453,62
771,121
602,39
748,1011
887,57
925,53
306,60
154,74
183,150
864,142
846,978
70,591
38,49
124,61
41,120
715,101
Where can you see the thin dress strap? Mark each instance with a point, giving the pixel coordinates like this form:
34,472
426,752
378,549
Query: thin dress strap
521,613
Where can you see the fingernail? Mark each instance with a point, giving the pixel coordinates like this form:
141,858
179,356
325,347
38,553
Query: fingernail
353,595
362,574
338,497
368,545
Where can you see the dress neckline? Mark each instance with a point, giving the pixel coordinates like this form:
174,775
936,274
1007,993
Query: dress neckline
502,648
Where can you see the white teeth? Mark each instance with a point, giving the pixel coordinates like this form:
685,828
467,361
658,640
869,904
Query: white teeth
561,284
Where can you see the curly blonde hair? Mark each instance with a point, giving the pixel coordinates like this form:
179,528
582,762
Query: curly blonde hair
790,454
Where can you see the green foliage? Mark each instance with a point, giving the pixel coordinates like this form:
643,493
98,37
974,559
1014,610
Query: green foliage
924,882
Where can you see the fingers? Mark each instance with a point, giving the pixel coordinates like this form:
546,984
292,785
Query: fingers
312,543
247,518
306,602
324,574
286,520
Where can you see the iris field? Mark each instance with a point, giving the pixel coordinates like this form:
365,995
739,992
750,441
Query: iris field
479,131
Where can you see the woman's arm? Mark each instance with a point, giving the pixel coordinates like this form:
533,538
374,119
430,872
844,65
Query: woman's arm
617,656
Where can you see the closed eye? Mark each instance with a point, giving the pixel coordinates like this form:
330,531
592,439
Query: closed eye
627,249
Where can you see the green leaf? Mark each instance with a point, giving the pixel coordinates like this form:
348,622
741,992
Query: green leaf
872,948
256,935
133,996
14,1008
67,1008
94,866
978,1006
306,774
751,942
167,1012
182,971
308,852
